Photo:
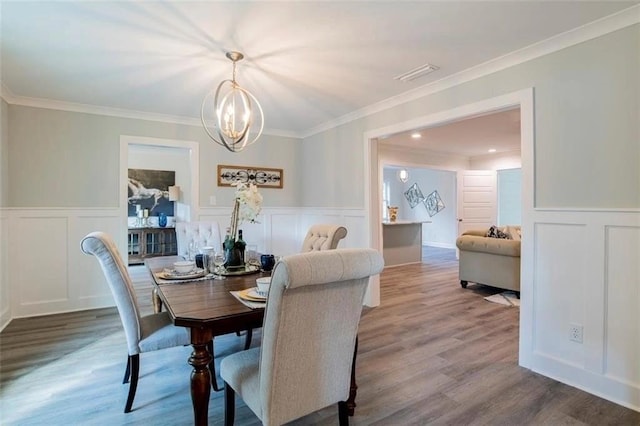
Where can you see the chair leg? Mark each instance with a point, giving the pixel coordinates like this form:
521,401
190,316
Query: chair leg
463,284
127,371
343,413
229,405
134,360
212,368
247,341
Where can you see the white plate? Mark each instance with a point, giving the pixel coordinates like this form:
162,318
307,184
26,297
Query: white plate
170,274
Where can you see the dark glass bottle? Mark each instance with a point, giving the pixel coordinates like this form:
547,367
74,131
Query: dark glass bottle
241,244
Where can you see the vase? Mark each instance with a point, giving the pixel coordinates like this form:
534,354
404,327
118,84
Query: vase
162,220
234,258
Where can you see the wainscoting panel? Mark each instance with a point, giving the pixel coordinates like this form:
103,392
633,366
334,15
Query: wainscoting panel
586,272
559,287
622,299
39,262
5,293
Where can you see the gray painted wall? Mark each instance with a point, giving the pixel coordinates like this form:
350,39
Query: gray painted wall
586,125
4,153
69,159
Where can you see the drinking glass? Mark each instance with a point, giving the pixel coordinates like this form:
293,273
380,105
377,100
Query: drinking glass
252,255
218,262
193,250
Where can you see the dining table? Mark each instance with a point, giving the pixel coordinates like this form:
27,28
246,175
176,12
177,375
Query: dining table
208,308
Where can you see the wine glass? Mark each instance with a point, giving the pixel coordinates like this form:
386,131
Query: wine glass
218,261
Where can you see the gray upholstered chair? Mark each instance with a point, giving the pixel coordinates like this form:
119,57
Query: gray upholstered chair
144,333
206,234
323,237
308,338
319,237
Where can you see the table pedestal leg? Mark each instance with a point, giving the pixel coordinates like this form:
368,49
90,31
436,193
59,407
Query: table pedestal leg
200,376
351,402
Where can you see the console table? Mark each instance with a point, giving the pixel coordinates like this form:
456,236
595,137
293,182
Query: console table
143,243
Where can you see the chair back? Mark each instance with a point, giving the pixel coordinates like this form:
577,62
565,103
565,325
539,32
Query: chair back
309,330
323,237
101,245
206,234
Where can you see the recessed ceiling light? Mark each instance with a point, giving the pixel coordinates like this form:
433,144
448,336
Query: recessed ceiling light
416,135
492,150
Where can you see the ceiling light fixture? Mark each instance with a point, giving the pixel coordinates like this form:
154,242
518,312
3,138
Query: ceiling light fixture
492,150
403,175
237,114
415,73
416,135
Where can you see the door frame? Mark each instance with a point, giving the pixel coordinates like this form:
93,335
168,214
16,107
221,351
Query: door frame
193,149
373,183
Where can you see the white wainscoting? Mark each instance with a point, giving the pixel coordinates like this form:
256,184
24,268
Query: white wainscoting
5,294
48,273
586,272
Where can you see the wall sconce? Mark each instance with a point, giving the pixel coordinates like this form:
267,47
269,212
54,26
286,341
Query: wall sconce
174,193
403,175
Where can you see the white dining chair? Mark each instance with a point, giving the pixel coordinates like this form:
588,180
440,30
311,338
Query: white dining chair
143,333
308,339
202,233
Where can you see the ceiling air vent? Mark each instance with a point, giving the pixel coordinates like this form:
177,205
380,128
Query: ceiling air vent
415,73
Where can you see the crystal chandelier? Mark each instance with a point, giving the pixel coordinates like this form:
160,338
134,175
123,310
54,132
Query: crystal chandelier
237,114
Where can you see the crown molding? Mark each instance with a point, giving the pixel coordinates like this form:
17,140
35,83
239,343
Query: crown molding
600,27
12,99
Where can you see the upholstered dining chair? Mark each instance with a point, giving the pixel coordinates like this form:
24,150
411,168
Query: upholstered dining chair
319,237
205,234
143,333
323,237
308,338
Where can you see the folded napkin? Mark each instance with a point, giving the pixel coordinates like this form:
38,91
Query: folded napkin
248,303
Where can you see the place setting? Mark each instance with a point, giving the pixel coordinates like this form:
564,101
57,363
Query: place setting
254,297
182,271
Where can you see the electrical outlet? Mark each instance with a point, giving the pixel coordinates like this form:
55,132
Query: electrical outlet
575,333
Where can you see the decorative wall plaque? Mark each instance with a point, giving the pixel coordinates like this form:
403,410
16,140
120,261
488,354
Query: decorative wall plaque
260,176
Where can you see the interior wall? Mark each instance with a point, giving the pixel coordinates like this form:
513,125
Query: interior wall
165,158
510,197
45,145
497,161
586,104
5,295
442,229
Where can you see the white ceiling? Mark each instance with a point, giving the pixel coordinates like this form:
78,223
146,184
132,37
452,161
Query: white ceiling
471,137
307,62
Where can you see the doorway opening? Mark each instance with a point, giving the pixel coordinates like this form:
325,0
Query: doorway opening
523,100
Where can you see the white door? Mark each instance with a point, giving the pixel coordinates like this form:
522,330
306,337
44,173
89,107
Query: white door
477,199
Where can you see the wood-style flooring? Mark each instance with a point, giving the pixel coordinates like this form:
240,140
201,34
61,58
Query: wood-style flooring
431,353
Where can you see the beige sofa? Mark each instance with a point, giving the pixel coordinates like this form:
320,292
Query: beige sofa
491,261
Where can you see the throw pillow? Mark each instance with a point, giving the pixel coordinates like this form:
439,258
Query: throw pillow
495,232
514,231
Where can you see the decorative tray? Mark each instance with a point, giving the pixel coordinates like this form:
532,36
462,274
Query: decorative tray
248,269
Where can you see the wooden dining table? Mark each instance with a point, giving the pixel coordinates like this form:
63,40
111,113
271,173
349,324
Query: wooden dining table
208,309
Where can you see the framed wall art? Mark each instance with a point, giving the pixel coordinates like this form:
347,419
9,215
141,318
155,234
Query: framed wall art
263,177
150,190
414,195
433,203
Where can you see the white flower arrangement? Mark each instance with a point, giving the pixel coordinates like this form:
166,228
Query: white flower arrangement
247,206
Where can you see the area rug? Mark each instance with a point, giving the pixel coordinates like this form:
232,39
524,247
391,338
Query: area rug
507,298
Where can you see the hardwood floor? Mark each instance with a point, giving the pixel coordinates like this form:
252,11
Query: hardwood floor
432,353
